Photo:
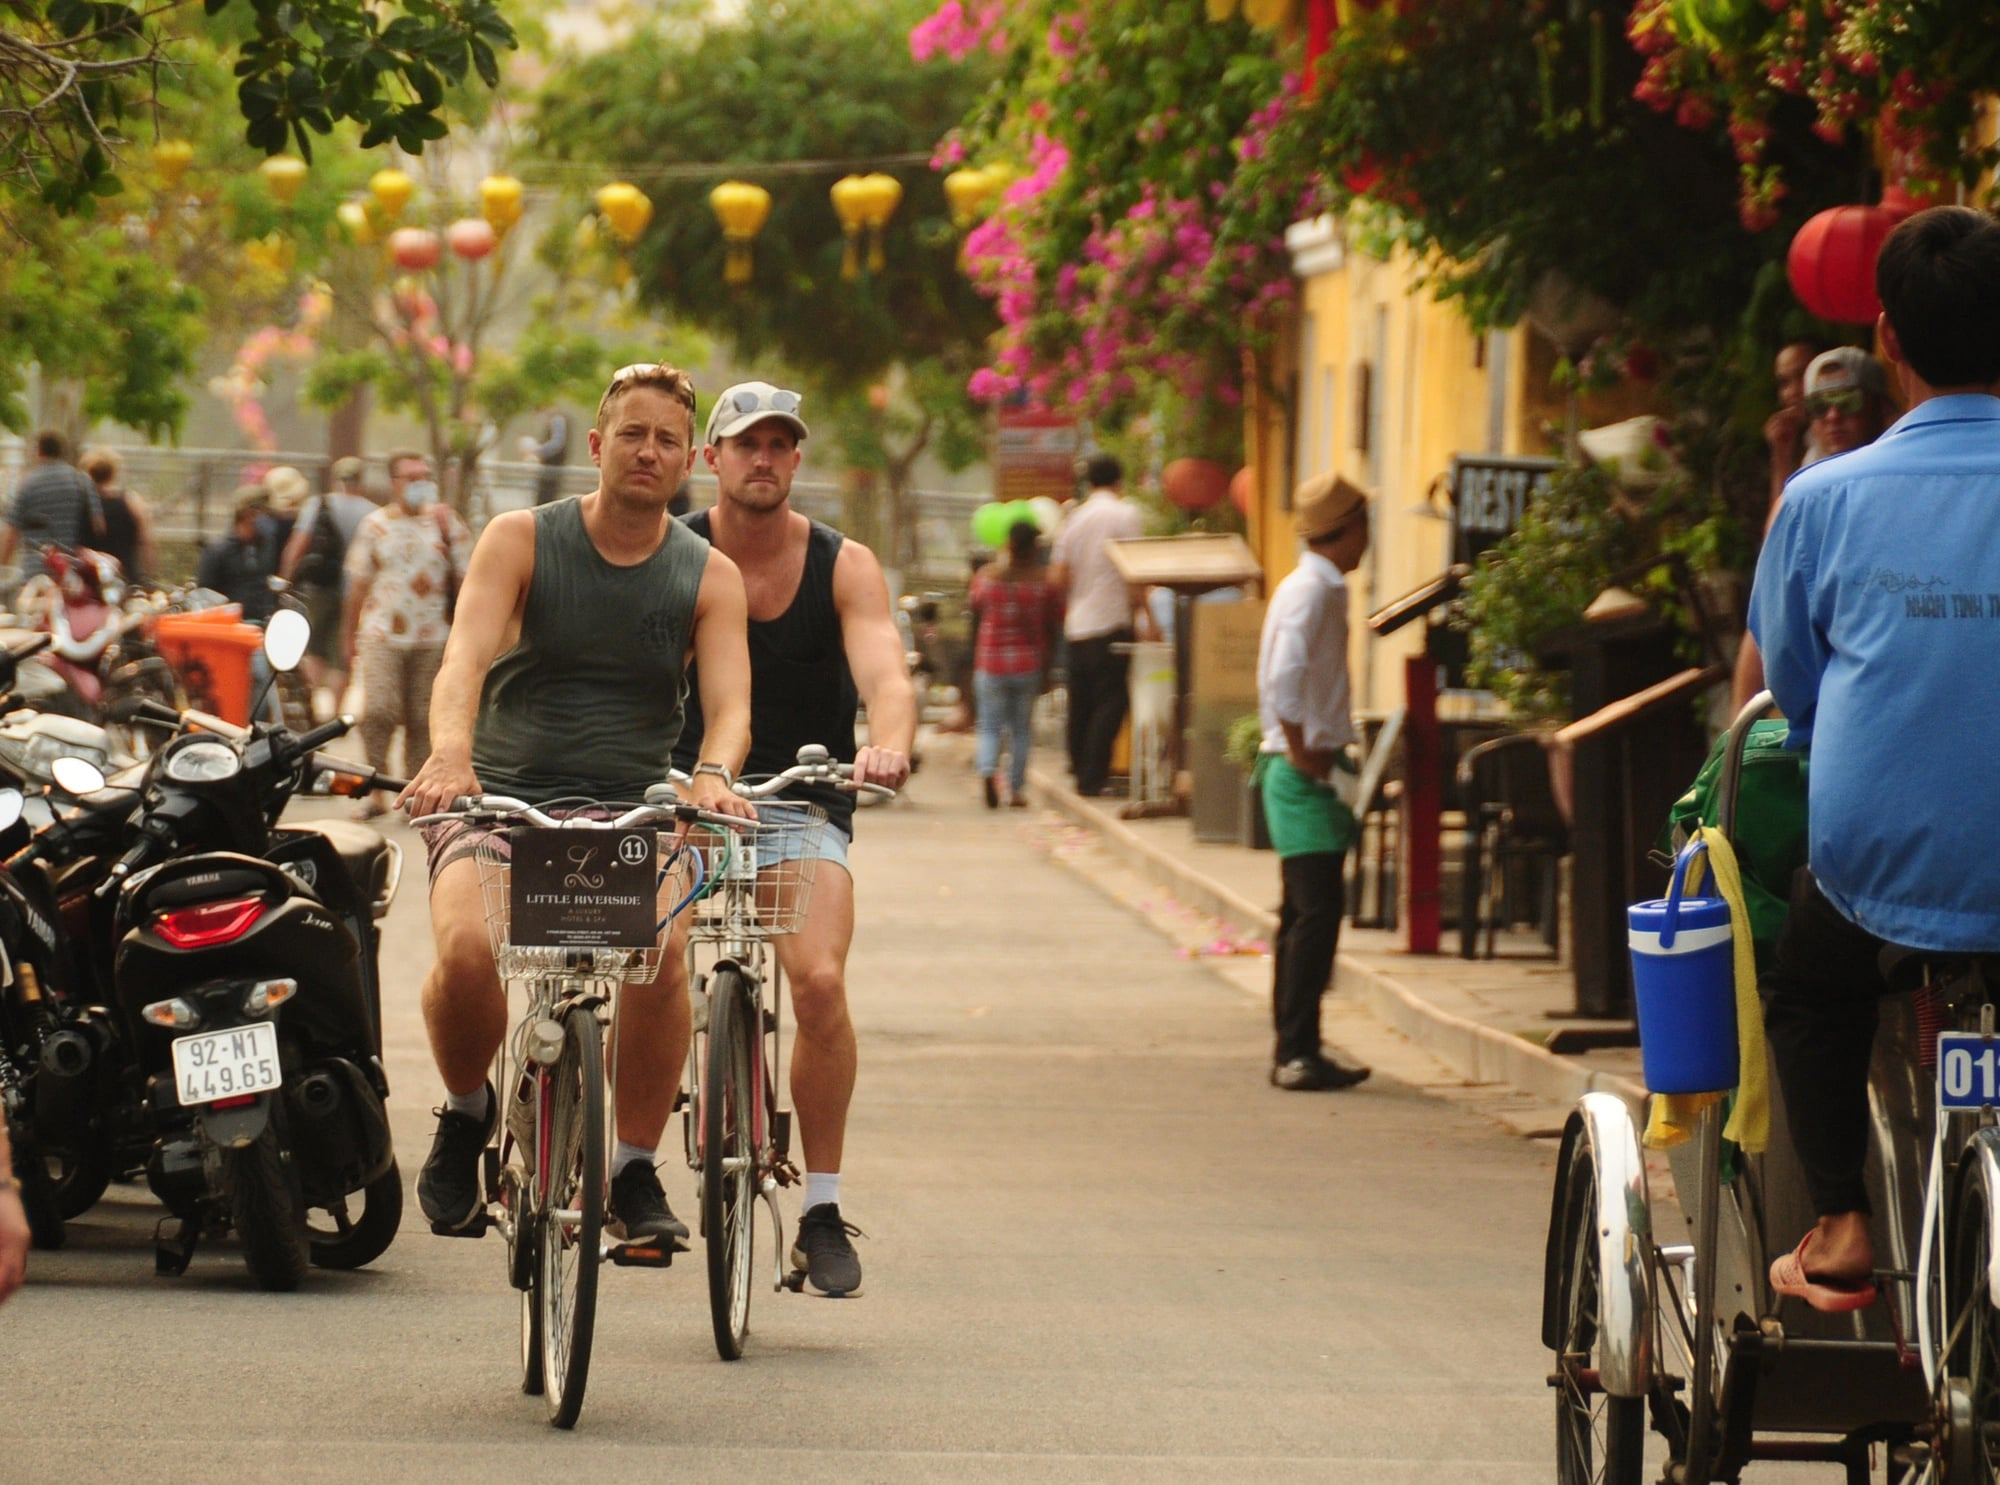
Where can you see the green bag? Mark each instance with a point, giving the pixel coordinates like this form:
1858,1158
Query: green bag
1770,833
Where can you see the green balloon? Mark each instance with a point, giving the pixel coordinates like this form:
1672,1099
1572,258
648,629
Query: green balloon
991,522
1021,513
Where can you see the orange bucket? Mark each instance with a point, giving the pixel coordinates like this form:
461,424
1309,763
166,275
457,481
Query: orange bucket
212,657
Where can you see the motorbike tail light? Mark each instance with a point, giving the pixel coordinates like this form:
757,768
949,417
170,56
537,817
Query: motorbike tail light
175,1014
209,923
241,1101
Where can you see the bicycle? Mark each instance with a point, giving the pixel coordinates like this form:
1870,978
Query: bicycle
758,887
544,1169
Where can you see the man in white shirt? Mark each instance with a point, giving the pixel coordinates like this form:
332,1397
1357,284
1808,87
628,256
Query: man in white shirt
1303,702
1100,615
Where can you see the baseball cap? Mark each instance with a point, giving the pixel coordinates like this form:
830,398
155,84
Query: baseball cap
348,467
1845,368
749,403
251,497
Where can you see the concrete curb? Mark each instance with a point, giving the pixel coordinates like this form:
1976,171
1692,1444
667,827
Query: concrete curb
1478,1053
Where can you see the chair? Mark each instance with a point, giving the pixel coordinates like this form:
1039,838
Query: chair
1513,828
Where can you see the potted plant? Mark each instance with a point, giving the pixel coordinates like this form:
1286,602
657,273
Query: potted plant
1240,746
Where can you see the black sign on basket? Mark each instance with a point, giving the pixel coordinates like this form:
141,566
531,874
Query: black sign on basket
582,889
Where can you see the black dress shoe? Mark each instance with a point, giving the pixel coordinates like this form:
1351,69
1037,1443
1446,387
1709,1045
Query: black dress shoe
1315,1075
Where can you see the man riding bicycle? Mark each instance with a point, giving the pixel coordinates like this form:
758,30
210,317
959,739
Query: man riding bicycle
1875,610
566,676
822,637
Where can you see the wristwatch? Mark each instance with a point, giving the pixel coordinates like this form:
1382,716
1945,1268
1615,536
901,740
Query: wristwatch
721,771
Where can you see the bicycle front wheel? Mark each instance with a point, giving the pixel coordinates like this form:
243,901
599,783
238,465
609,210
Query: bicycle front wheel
729,1156
570,1240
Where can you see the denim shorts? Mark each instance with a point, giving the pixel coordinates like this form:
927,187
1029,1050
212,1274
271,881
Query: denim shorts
827,844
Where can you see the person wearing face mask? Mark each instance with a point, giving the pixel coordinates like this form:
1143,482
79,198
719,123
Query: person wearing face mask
403,567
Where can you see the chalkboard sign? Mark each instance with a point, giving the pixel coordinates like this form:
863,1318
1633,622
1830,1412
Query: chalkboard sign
583,889
1488,494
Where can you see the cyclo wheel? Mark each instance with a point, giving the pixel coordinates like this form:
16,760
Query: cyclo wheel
569,1242
1599,1438
729,1158
1972,1368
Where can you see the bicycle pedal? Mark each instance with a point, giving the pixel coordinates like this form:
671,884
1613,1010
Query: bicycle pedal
795,1281
476,1228
644,1255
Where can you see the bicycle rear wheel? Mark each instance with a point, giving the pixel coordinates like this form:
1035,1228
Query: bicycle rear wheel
729,1157
570,1239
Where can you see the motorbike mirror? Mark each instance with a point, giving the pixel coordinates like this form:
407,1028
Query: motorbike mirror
11,803
77,776
286,634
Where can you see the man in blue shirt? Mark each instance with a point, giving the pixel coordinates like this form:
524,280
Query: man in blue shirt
1877,606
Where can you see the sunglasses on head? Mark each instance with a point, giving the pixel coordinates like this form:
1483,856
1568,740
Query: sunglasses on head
669,379
777,400
1822,403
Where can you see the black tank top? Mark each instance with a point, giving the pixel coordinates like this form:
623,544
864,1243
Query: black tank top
121,532
800,688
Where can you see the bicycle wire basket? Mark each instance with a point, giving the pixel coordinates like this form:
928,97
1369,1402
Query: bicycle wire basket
757,877
675,877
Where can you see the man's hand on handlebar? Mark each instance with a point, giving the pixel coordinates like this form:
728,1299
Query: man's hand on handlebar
707,791
884,766
443,779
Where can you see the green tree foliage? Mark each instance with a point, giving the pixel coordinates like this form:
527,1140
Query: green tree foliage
81,79
680,107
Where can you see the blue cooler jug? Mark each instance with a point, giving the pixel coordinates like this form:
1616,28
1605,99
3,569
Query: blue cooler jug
1684,980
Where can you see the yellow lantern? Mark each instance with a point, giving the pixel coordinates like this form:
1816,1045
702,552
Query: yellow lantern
968,190
626,208
1267,15
500,202
742,209
353,217
284,174
885,194
392,191
1221,10
171,158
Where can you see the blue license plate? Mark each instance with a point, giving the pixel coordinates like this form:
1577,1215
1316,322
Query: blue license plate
1968,1070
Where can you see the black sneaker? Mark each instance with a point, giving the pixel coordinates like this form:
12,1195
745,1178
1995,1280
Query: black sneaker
1316,1075
448,1187
822,1252
638,1210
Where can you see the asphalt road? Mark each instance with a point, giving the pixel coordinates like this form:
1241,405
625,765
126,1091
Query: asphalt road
1099,1248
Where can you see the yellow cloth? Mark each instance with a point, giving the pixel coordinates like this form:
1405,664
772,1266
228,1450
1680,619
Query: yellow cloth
1673,1115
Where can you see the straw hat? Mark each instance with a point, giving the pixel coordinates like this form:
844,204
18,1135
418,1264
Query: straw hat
1323,502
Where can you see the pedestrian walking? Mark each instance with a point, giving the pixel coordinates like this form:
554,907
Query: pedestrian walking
289,490
1103,614
823,642
1866,607
403,568
550,451
240,563
1305,707
128,520
55,504
315,560
1016,608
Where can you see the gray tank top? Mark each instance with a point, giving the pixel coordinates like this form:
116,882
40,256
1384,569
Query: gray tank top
591,701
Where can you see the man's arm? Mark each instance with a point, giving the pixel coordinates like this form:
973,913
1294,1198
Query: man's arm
722,660
1795,651
875,659
299,540
490,603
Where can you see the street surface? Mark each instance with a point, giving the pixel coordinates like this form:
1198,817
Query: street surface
1100,1248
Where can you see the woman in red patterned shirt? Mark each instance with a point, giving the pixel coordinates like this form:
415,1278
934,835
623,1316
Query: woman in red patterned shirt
1017,610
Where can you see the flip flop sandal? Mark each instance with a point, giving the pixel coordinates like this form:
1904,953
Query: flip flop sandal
1830,1296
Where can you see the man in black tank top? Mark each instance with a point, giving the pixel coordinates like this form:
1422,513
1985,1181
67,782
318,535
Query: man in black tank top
564,675
822,639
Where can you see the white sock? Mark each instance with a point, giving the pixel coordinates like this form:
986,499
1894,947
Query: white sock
473,1103
822,1188
623,1155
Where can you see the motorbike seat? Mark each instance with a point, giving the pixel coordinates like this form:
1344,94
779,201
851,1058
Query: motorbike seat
371,861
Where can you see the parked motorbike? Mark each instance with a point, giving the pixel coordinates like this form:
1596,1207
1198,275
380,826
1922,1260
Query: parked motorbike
244,1024
99,648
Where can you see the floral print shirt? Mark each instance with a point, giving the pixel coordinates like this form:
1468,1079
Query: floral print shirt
408,565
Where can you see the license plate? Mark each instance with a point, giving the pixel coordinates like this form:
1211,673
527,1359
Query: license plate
1968,1070
226,1064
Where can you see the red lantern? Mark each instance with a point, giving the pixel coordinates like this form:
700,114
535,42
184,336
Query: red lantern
1243,489
472,238
1832,262
414,248
1194,484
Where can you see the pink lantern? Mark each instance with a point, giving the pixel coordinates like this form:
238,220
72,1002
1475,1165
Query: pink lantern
414,248
472,238
1194,484
1831,263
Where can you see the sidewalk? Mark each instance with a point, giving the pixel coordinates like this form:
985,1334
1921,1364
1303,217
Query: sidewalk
1486,1019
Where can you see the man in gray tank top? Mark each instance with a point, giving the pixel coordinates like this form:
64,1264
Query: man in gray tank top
565,676
821,635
